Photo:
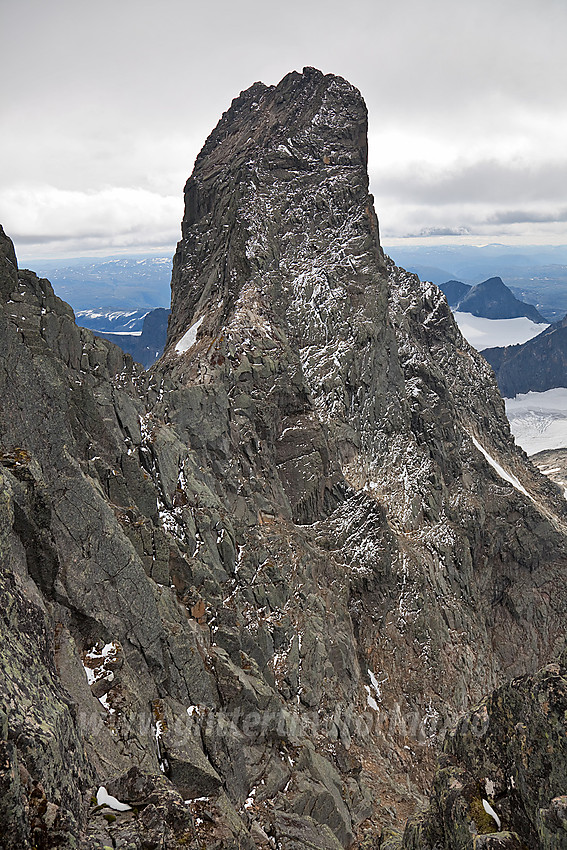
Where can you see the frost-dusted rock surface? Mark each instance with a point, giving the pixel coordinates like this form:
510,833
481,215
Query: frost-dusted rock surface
248,591
509,753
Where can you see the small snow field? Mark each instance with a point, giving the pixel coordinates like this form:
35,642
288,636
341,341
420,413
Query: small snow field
490,811
103,798
487,333
539,420
122,333
189,338
506,476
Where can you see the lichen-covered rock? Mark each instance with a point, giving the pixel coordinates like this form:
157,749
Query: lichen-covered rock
44,772
502,772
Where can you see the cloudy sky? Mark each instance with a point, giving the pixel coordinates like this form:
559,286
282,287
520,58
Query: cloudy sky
107,103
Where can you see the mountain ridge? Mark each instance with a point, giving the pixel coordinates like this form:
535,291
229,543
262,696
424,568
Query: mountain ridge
271,571
536,366
111,283
454,291
491,299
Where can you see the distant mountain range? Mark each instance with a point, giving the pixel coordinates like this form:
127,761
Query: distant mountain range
489,313
123,299
111,321
110,284
538,365
491,299
148,346
530,365
534,273
113,295
534,363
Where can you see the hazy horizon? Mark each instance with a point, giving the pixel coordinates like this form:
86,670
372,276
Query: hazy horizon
393,245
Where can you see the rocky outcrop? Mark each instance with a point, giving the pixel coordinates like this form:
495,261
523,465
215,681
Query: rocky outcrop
553,463
538,365
256,584
493,300
502,776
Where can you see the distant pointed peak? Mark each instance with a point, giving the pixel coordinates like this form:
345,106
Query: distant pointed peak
492,299
493,283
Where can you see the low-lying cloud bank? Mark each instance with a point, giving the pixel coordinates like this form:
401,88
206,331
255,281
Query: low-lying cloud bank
487,201
48,221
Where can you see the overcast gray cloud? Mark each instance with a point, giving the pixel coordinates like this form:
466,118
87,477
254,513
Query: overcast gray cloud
107,104
523,216
484,181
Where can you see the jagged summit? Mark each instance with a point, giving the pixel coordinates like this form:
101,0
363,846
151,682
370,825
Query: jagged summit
307,135
266,114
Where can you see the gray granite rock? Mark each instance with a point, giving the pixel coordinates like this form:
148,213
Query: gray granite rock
272,571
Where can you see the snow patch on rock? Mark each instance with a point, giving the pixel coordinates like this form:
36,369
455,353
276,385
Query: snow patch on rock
506,476
189,338
103,798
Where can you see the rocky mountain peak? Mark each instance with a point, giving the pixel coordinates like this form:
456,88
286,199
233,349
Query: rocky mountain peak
281,159
246,593
266,116
494,300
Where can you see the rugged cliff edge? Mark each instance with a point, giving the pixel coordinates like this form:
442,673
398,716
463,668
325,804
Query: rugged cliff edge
248,591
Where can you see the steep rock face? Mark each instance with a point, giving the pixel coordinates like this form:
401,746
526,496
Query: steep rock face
400,397
71,579
538,365
281,261
269,572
